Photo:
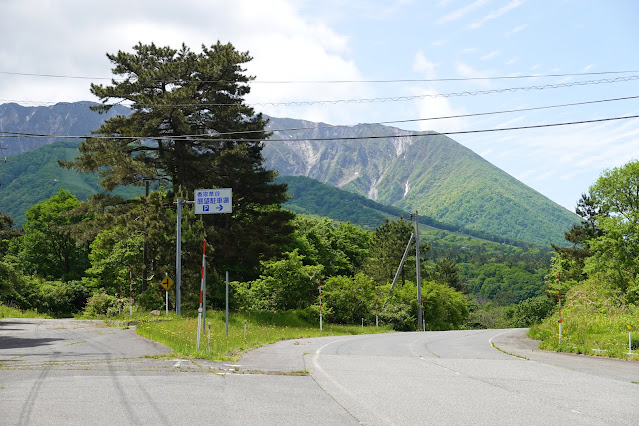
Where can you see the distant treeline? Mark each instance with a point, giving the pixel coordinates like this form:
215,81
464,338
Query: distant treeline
313,197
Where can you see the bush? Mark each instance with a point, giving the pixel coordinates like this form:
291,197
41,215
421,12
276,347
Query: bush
531,311
349,299
399,316
102,304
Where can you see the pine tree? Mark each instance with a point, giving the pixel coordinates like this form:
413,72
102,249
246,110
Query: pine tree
190,127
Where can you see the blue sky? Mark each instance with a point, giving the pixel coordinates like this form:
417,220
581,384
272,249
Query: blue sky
295,41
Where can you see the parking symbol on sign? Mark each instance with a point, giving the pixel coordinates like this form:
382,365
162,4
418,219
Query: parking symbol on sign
205,207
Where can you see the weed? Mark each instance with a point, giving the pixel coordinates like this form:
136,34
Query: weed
262,329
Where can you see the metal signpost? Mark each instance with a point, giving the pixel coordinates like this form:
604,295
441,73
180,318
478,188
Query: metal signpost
206,201
420,306
209,201
166,285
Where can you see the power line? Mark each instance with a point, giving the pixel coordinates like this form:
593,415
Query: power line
403,80
478,114
404,98
199,139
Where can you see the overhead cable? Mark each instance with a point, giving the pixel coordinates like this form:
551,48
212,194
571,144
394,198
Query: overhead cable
4,134
400,80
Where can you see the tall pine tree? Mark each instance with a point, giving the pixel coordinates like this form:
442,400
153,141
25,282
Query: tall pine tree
190,127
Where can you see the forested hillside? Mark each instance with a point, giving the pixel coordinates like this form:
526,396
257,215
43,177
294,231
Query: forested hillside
34,176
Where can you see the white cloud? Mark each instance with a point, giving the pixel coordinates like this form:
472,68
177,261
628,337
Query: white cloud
516,30
461,12
490,55
587,68
497,13
512,61
57,38
466,71
422,65
432,106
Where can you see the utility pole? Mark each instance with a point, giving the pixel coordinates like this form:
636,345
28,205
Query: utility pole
178,258
419,279
145,246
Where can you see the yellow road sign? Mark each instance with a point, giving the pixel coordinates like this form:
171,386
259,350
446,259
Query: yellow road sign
166,283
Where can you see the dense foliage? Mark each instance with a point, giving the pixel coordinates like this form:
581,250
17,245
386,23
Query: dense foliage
600,273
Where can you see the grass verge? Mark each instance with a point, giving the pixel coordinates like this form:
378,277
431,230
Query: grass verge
180,334
7,312
591,326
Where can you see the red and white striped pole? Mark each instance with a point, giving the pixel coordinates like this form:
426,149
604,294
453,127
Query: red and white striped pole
319,282
130,291
200,310
559,278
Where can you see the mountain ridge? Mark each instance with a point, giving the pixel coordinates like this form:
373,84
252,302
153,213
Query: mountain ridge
429,173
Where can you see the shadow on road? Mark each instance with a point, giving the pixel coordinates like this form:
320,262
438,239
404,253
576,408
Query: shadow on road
8,342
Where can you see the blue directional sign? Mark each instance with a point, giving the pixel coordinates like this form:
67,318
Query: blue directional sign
209,201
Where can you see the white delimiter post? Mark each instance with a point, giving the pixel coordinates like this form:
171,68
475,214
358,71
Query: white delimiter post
202,287
319,283
130,291
227,304
560,321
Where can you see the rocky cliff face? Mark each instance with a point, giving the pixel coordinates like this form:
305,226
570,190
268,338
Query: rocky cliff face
63,119
358,165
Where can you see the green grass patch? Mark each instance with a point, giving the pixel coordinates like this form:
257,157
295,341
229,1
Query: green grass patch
180,334
8,312
592,324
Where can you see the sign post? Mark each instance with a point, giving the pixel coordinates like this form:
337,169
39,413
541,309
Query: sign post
166,285
211,201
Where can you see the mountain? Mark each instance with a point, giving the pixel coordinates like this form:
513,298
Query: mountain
429,173
64,119
34,176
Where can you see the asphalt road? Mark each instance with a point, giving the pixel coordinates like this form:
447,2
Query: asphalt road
69,372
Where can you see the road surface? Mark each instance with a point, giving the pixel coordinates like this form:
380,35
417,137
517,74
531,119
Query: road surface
77,372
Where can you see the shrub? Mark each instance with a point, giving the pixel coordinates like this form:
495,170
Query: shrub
102,304
531,311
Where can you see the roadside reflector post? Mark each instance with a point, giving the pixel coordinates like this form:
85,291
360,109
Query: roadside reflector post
244,329
559,279
629,339
319,282
202,287
227,304
209,336
130,291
